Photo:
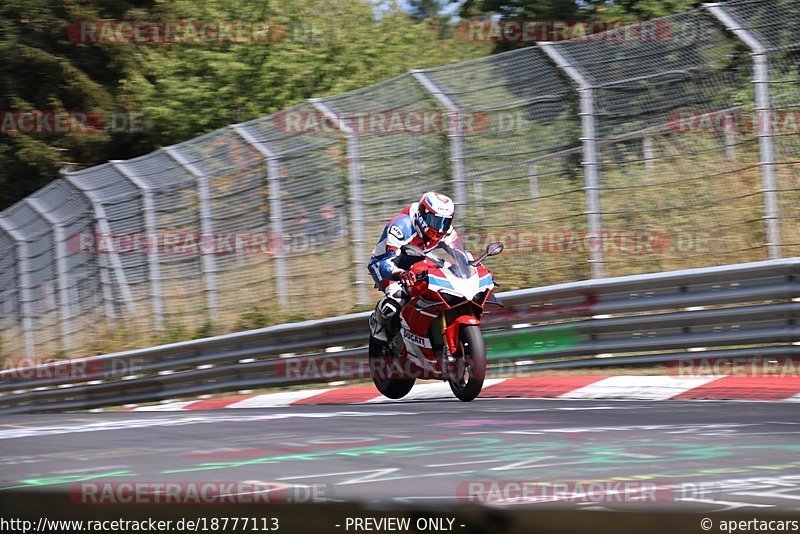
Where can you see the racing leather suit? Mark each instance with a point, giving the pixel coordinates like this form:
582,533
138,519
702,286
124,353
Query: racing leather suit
387,260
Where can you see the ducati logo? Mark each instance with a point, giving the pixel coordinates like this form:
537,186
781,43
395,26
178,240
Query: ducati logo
417,340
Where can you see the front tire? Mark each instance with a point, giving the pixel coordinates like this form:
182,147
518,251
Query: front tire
384,373
471,364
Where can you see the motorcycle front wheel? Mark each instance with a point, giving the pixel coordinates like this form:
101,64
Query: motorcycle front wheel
384,375
467,382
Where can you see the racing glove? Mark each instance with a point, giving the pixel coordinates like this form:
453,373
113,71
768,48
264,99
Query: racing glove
407,278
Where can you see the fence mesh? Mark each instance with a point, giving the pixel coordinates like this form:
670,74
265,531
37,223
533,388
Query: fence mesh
680,175
401,157
235,174
312,186
11,336
41,275
671,195
121,204
784,68
70,209
526,185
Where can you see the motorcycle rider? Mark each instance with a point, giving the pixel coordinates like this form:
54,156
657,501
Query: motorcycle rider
424,224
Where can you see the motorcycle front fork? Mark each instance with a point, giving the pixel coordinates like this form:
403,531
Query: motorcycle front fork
438,333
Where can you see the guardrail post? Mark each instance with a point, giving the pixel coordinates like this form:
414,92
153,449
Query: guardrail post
150,226
766,146
61,268
23,285
455,134
101,219
275,208
207,260
355,180
590,161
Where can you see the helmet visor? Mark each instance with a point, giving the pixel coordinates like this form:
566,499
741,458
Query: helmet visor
440,224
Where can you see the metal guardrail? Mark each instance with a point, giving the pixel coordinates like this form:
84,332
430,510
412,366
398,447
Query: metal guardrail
737,310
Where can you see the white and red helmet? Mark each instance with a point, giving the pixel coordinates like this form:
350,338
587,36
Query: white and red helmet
434,217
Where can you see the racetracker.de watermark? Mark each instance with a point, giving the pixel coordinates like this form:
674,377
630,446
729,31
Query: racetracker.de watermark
383,122
609,492
180,243
184,32
531,31
769,366
40,122
634,242
739,122
345,367
610,242
26,369
210,492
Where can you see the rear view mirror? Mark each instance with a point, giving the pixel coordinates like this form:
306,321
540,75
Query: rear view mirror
493,249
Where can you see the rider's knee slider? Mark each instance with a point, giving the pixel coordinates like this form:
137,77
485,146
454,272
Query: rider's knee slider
388,308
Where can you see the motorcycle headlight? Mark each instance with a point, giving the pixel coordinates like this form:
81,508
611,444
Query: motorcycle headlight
452,300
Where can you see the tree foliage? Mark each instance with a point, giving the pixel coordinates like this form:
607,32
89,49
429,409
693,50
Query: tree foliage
41,69
318,48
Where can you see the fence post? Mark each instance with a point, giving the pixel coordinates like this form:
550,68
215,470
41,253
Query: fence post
730,138
355,180
590,162
101,220
207,260
533,177
150,227
647,153
61,268
275,208
455,134
23,285
766,146
107,290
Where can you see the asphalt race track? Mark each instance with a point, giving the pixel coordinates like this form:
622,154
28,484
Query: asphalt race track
711,456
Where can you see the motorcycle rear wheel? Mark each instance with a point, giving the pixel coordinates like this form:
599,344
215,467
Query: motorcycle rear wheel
381,369
472,362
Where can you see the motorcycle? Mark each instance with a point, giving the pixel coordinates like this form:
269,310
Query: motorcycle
437,333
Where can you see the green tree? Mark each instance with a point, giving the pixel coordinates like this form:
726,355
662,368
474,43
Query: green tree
644,9
42,69
185,90
432,11
317,48
425,9
566,10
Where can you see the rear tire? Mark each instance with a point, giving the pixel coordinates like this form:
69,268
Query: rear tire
473,357
382,371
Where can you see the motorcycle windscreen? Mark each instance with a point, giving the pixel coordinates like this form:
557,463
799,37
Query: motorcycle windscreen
458,260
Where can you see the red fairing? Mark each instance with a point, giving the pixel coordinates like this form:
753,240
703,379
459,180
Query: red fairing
428,266
419,318
451,332
419,322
